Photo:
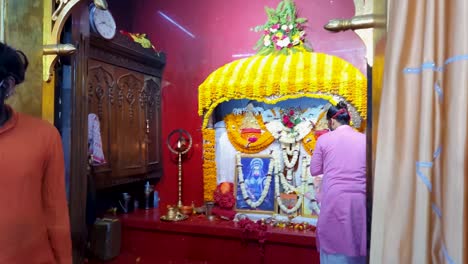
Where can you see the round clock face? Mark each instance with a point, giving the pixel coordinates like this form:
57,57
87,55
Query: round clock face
103,22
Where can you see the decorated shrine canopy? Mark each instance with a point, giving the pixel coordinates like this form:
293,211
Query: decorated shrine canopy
274,78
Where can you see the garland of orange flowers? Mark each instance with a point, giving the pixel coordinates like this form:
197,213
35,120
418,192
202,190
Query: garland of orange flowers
241,144
209,163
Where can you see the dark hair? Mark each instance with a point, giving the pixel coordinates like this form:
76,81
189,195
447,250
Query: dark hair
343,118
12,63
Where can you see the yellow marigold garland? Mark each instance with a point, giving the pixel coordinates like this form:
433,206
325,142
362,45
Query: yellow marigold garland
308,142
209,163
240,144
273,78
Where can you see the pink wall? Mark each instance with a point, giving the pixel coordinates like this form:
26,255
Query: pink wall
217,31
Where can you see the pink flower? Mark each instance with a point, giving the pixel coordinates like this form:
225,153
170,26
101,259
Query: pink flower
291,112
224,200
275,26
290,125
286,119
252,139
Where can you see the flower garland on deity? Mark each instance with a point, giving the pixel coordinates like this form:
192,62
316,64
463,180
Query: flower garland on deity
291,128
250,145
298,190
247,198
285,184
290,150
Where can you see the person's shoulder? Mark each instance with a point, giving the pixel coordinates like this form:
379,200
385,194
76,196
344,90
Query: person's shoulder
325,137
359,134
358,137
37,125
351,130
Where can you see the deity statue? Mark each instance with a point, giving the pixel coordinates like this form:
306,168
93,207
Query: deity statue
249,119
250,129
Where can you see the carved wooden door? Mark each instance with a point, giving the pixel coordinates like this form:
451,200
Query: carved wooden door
152,104
131,120
101,90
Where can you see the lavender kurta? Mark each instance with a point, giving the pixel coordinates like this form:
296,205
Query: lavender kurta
340,156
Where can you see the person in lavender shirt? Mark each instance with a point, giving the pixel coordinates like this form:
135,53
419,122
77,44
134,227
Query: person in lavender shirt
340,156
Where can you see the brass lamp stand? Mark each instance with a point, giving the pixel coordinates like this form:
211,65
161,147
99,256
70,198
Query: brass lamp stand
183,144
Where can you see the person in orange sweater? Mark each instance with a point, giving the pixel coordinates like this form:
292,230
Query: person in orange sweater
34,222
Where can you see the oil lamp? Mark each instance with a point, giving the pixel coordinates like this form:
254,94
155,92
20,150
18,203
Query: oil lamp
183,144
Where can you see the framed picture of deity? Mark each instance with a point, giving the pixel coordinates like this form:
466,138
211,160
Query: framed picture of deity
254,184
310,205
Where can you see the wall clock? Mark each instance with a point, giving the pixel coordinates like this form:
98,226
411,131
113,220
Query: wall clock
102,22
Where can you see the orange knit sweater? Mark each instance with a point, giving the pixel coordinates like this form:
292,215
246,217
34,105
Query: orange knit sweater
34,224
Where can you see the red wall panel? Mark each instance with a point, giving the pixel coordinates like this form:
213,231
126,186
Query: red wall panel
209,34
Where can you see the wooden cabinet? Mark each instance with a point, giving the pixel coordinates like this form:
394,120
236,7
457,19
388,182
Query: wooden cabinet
124,91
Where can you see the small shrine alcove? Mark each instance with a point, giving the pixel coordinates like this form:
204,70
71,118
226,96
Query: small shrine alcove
274,106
